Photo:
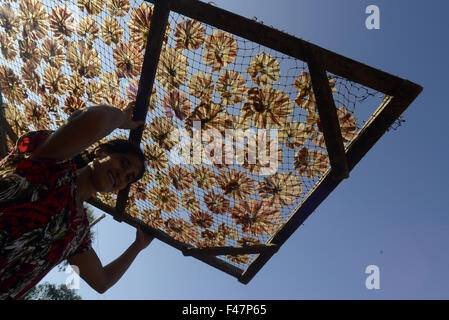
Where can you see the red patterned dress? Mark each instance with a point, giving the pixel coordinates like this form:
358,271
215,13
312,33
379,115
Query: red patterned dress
40,225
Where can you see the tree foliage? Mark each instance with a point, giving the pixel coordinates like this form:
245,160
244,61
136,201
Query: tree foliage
51,291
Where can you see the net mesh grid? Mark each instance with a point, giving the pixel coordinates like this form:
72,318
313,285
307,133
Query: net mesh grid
205,76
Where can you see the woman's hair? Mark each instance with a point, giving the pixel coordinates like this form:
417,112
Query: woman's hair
113,146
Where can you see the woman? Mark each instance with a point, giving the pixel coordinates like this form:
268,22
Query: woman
42,219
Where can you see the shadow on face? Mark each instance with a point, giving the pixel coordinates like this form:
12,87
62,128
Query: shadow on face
114,171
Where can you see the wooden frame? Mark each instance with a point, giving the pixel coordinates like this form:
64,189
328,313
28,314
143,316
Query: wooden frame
400,94
216,251
320,61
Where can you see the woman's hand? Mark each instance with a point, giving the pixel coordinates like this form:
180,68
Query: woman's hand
143,239
129,123
102,278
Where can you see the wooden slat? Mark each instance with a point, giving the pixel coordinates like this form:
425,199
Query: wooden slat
328,117
156,34
100,205
368,136
217,251
285,43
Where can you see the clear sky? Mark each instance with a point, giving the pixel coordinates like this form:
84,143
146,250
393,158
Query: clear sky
392,212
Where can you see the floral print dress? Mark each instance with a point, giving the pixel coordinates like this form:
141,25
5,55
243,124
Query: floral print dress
40,225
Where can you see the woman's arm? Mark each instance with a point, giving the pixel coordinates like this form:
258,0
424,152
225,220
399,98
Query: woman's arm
84,129
102,278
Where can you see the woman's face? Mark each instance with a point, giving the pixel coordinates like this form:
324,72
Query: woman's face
114,171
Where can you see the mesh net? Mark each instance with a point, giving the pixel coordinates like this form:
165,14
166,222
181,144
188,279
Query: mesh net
232,138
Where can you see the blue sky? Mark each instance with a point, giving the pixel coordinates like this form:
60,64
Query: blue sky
393,210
